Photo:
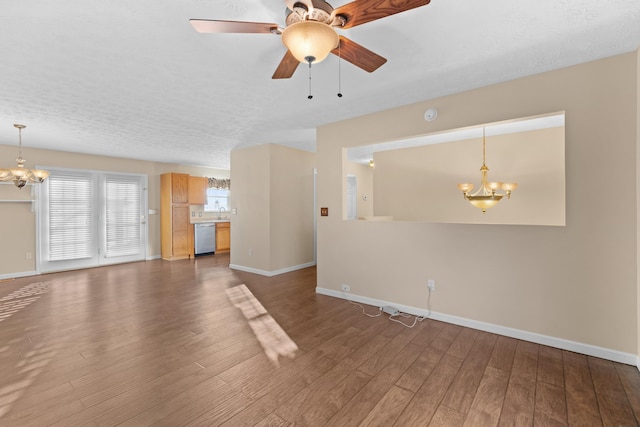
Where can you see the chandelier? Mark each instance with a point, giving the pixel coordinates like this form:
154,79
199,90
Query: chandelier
487,196
20,175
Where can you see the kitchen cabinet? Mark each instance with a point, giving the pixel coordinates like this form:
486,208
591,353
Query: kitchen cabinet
223,237
198,190
176,233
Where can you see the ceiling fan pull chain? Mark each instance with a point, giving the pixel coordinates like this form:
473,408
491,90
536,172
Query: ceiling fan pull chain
310,96
339,70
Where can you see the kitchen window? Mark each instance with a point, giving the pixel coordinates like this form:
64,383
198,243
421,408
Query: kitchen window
217,198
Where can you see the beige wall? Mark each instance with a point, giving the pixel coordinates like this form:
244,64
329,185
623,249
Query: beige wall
420,183
250,230
292,226
364,179
273,193
638,200
17,221
577,282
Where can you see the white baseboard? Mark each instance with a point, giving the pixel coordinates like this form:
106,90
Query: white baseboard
577,347
151,257
16,275
271,273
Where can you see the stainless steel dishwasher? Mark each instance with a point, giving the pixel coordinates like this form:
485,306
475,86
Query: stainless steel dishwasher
205,238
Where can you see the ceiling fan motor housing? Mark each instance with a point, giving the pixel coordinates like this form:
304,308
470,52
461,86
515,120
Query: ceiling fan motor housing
320,12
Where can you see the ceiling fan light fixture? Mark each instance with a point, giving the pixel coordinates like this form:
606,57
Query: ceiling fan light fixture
310,41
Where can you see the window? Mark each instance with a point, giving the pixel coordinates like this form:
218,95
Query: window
88,218
217,199
123,216
71,216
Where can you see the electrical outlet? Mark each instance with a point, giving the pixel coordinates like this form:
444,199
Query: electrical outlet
431,284
250,252
346,288
27,255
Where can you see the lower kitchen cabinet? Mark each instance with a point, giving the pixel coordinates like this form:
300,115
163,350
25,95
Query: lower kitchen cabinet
223,237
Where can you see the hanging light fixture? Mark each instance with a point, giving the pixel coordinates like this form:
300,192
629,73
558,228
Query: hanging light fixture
20,175
310,41
487,195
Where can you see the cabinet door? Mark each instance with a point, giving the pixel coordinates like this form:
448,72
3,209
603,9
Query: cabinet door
180,230
198,190
179,188
223,237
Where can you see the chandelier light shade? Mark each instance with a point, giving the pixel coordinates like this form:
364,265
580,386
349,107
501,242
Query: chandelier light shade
488,195
310,41
20,175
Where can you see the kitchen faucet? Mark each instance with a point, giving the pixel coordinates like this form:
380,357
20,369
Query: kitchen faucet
220,212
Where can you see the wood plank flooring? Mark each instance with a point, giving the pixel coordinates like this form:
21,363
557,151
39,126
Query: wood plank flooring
184,343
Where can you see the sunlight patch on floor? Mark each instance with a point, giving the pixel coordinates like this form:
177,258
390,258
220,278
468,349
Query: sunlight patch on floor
17,300
13,384
272,337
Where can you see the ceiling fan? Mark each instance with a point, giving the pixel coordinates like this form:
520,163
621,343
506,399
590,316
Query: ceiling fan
310,35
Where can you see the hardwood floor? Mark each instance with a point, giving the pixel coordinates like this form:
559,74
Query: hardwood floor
184,343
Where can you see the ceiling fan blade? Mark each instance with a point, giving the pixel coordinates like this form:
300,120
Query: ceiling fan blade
362,11
213,26
358,55
287,66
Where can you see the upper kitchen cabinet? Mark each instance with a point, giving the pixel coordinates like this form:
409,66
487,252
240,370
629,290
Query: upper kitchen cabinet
177,184
198,190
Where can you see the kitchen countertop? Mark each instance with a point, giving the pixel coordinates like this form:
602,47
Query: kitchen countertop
208,220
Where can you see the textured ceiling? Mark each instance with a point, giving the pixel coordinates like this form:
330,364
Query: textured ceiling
133,79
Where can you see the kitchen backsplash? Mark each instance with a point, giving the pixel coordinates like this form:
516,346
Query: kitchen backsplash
197,213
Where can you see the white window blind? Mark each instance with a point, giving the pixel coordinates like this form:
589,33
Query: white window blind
71,216
123,216
90,218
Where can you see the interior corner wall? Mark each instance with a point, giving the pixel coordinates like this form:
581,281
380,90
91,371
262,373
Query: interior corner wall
250,197
272,190
576,282
291,206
